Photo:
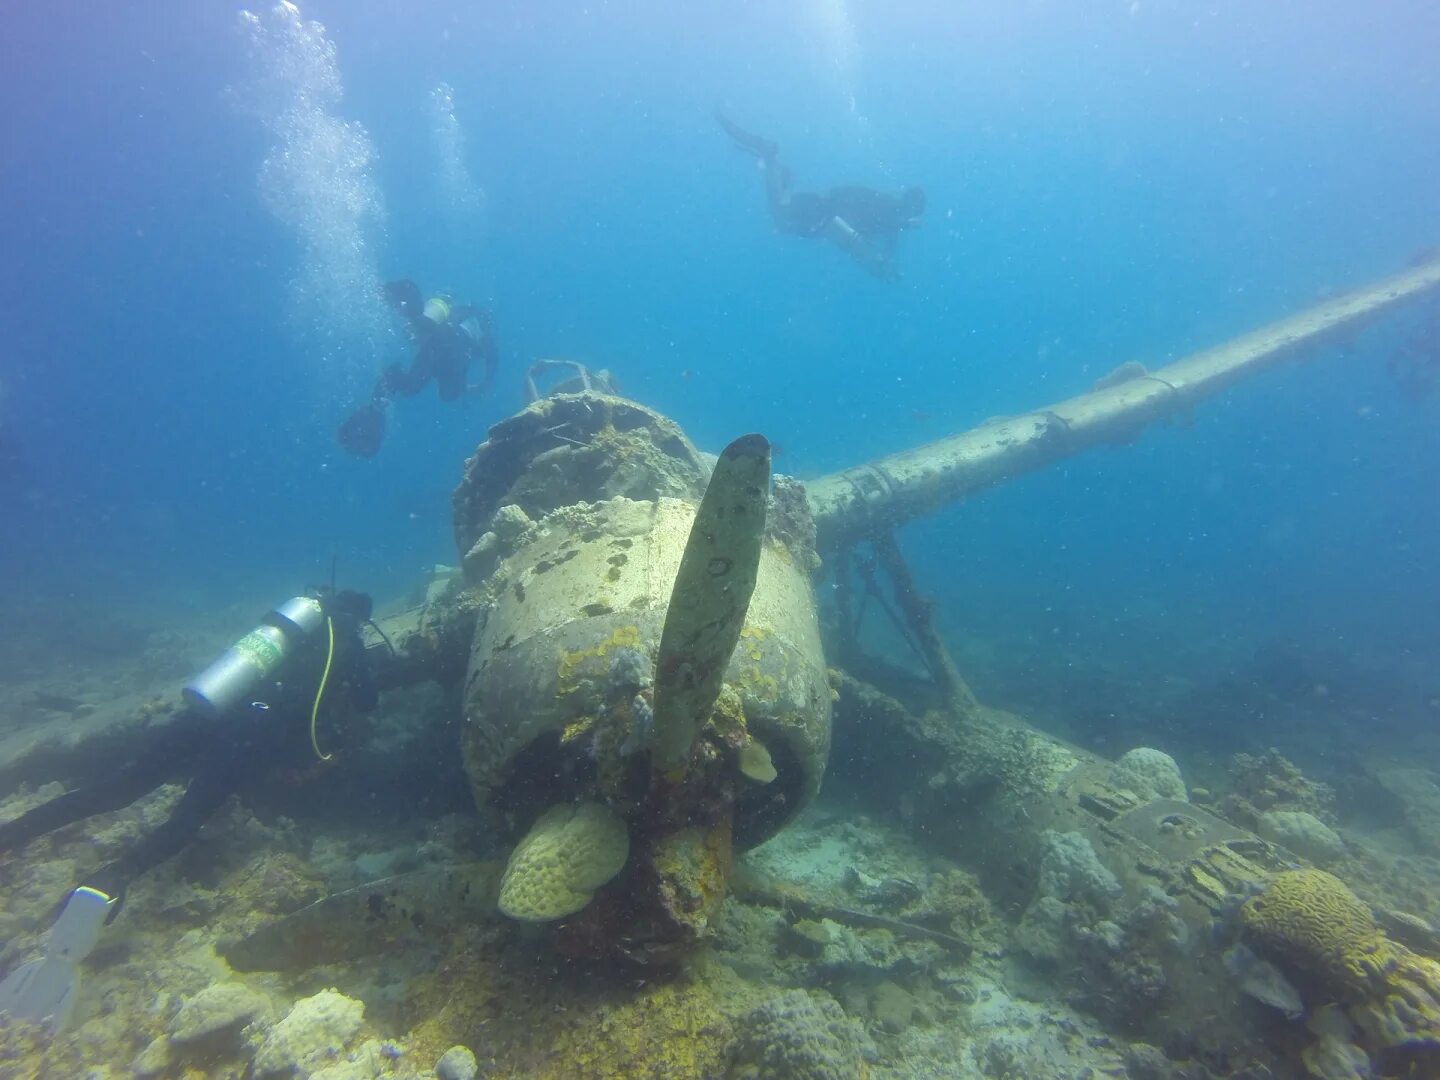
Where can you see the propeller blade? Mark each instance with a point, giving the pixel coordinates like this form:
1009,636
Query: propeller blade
709,599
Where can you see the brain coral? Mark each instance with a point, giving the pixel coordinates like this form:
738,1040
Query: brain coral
1409,1015
567,854
1312,920
1392,995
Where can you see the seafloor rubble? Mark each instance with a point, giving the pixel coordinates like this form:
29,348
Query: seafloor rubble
809,990
854,945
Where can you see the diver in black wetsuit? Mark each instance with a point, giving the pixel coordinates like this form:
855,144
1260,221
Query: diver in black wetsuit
864,223
448,337
222,755
255,711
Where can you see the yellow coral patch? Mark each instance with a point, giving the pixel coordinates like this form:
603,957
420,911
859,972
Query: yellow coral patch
567,854
752,638
693,866
672,1031
575,729
754,681
1313,920
727,718
573,660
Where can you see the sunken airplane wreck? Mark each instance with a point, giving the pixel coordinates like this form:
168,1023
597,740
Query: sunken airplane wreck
645,696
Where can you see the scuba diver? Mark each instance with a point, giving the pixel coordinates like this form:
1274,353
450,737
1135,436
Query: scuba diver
255,711
448,337
864,223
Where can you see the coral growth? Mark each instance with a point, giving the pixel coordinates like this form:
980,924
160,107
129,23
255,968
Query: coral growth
799,1036
1311,921
1070,871
310,1034
1077,920
1270,781
568,854
692,866
1303,833
1149,773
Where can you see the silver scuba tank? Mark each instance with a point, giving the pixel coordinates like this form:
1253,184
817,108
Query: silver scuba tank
238,670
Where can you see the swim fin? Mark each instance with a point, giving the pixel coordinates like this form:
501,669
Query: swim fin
764,149
363,430
44,990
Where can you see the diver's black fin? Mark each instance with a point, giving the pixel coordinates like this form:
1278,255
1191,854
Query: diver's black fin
764,149
363,430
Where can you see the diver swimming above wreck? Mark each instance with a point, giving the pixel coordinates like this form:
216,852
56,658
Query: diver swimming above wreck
862,222
448,337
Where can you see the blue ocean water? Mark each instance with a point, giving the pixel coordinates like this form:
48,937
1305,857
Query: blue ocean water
1106,182
198,207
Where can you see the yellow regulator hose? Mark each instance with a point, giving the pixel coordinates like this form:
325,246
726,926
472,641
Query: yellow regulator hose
320,691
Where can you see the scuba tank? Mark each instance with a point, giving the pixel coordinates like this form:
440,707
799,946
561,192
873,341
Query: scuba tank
255,656
437,310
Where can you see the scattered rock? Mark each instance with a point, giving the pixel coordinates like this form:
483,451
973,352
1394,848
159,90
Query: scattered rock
1043,933
892,1006
153,1060
480,561
1303,833
216,1012
457,1063
809,937
1071,871
368,1062
1263,981
314,1033
1146,1062
510,523
889,893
